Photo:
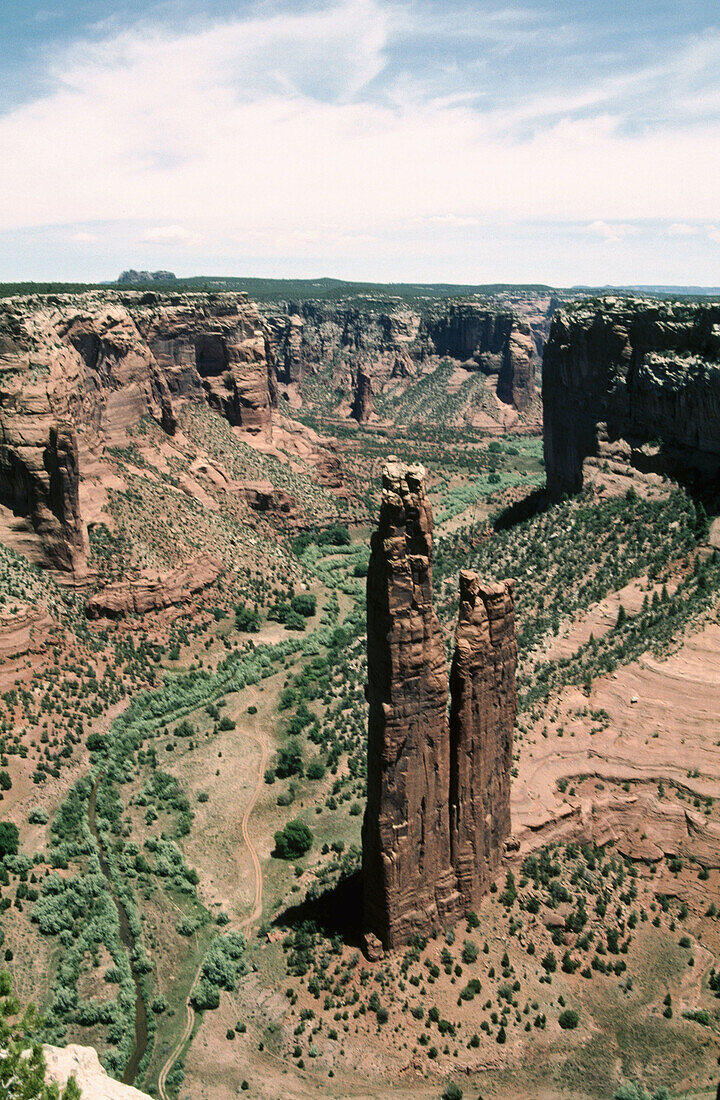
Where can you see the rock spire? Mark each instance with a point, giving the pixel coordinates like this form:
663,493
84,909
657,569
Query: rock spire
438,807
483,706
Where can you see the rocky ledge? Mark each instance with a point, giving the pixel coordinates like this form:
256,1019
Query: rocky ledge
83,1064
128,597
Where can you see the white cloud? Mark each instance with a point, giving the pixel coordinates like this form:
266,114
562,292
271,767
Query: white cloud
85,238
612,232
168,234
263,131
682,229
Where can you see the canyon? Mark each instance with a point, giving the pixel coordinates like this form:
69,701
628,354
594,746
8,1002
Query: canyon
386,347
378,818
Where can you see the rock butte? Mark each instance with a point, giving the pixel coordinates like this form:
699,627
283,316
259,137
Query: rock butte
644,372
438,805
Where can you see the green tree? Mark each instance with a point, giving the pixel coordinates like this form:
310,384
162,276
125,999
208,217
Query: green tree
22,1066
304,604
293,841
9,838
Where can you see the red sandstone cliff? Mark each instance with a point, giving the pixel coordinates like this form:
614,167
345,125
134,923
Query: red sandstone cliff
76,371
438,804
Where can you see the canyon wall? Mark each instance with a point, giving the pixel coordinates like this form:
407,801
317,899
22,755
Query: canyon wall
393,342
645,372
76,371
438,805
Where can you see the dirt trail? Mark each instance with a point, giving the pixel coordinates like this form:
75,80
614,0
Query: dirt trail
255,913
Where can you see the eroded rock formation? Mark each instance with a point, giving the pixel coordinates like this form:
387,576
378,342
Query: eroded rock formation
644,372
150,594
78,370
438,807
409,883
362,406
483,707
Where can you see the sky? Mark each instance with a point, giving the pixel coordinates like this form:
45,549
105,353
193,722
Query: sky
557,141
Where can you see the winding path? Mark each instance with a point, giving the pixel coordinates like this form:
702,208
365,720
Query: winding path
255,913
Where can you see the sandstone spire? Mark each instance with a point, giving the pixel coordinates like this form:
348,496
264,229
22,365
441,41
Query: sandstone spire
482,716
409,885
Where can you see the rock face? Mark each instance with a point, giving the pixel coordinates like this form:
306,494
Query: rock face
431,838
391,342
76,371
142,595
362,406
409,883
644,372
494,342
83,1064
482,717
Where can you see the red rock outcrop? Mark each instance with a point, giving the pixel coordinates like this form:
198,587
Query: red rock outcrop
483,707
77,371
27,630
438,802
262,496
144,594
409,883
362,406
644,373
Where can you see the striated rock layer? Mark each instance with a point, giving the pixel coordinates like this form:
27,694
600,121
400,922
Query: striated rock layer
409,884
76,371
643,372
136,597
438,805
482,717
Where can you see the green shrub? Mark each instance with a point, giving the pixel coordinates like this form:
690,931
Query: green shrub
9,838
293,841
247,620
569,1019
304,604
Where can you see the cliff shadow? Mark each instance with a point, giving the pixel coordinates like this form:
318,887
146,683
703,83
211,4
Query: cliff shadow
532,505
335,912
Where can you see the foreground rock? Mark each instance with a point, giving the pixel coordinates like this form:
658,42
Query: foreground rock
83,1064
438,807
79,370
632,379
136,597
409,883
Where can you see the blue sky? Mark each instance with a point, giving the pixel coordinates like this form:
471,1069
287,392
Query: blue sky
560,141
